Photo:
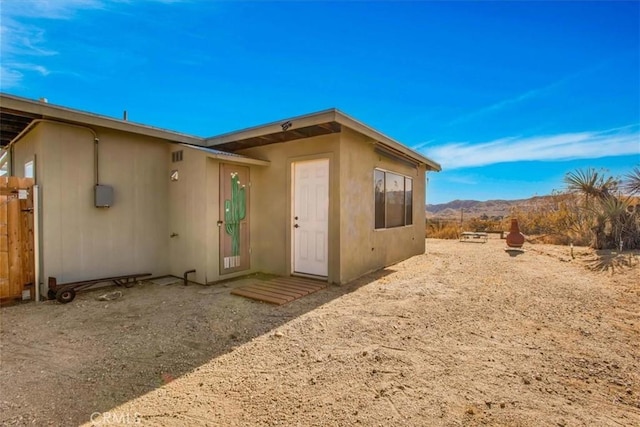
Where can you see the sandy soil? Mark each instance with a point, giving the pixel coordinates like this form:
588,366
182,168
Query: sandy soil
463,335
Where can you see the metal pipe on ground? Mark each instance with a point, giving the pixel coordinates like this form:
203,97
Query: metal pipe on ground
186,273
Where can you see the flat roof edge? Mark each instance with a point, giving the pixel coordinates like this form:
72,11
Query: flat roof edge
330,115
57,112
292,123
230,157
358,126
69,115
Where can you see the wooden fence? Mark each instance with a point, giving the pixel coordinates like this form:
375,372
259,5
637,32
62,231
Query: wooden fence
17,266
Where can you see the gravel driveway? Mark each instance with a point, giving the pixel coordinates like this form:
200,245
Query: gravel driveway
462,335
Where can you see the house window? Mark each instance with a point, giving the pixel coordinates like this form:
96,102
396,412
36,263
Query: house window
393,195
28,169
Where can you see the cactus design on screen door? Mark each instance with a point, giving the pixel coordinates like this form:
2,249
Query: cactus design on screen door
235,211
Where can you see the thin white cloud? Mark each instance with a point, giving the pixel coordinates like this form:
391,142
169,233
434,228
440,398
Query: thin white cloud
530,94
51,9
462,180
43,71
65,9
566,146
504,104
22,48
21,39
9,77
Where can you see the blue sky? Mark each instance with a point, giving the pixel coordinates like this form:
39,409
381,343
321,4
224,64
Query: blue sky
507,96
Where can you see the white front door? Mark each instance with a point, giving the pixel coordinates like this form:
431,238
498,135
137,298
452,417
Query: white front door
311,217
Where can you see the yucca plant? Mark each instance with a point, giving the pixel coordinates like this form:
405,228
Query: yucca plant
631,184
591,183
613,223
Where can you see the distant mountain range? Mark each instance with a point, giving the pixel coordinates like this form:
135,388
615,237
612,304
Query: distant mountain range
475,208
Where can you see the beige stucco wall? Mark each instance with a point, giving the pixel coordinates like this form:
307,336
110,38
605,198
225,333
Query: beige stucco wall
194,206
271,222
29,147
187,214
355,248
80,241
363,248
212,215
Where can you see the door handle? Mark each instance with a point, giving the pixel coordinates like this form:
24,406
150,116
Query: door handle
296,226
296,218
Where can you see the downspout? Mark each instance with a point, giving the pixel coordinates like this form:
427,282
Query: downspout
36,239
35,122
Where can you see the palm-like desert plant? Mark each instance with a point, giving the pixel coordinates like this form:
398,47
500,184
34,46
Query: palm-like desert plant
613,224
591,183
631,184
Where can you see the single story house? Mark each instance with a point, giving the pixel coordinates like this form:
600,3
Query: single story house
321,195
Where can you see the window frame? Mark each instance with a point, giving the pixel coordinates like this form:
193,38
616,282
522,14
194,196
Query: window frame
385,200
30,169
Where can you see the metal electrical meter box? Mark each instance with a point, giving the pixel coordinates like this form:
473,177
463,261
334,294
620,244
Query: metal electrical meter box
104,196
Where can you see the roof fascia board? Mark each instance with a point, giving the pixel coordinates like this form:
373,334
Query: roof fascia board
229,157
360,127
331,115
274,127
55,112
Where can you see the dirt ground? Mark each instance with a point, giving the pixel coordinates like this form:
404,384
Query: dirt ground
463,335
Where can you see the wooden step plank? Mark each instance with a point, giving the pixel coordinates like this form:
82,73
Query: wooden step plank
276,282
298,284
304,280
288,286
260,297
280,290
257,291
277,290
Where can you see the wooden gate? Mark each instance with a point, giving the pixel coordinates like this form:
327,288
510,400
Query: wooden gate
17,266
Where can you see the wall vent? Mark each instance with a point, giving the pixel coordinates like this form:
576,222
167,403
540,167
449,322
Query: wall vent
176,156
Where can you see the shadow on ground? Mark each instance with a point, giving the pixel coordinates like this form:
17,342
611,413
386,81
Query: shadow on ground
62,363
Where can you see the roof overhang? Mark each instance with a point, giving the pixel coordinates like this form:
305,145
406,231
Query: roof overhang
13,122
228,157
321,123
16,114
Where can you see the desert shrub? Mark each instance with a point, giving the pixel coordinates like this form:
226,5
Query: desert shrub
483,223
610,215
451,229
442,229
592,211
552,239
557,217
